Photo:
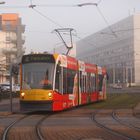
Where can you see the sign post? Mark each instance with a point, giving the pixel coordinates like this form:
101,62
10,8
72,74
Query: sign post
11,101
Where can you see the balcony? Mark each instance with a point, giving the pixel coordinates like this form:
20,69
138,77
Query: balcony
9,28
9,50
10,39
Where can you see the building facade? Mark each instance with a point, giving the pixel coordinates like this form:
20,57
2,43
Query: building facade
11,43
118,51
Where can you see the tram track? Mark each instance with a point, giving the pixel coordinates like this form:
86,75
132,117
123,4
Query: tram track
7,129
36,126
41,126
121,121
114,132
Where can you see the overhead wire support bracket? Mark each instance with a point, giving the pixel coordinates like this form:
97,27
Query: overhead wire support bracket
32,6
101,14
61,31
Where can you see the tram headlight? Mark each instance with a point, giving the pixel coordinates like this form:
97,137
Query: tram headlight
22,94
50,95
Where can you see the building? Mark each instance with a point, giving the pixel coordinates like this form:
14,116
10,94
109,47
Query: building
118,50
11,43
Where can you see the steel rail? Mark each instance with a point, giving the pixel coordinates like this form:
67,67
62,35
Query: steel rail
114,116
111,131
5,133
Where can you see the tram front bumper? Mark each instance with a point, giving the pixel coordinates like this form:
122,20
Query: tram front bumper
36,105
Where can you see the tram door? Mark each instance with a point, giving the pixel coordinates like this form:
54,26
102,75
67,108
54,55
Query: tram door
88,87
102,86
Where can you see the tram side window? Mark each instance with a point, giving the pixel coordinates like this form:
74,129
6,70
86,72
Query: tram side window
88,84
64,81
70,80
93,82
83,82
100,78
58,80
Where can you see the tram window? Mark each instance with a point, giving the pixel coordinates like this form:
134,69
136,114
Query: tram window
35,75
93,82
81,81
100,78
88,85
64,81
85,83
70,80
58,80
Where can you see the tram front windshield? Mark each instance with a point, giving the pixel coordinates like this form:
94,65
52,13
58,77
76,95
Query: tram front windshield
37,76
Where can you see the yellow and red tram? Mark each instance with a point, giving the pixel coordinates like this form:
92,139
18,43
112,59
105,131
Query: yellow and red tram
71,82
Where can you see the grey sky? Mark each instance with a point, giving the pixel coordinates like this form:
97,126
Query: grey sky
85,20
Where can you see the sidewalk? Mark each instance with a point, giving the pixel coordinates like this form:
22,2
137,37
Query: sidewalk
7,101
5,106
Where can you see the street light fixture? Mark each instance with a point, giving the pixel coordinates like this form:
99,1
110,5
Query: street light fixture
87,4
96,4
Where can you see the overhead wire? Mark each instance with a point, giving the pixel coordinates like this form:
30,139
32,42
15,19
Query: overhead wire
57,24
32,6
56,5
54,22
113,33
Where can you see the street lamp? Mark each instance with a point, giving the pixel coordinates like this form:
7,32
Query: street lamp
2,2
96,4
87,4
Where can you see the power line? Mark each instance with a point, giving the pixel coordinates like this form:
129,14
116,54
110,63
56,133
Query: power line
106,21
38,5
56,5
14,7
54,22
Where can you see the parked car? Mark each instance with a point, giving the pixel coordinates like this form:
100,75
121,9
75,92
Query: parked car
16,87
5,87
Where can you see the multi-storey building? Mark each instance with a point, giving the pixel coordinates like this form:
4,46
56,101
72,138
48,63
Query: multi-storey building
117,48
11,43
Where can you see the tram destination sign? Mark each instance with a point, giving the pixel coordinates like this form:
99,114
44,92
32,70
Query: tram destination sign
33,58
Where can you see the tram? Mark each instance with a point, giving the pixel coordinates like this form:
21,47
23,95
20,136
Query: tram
67,82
